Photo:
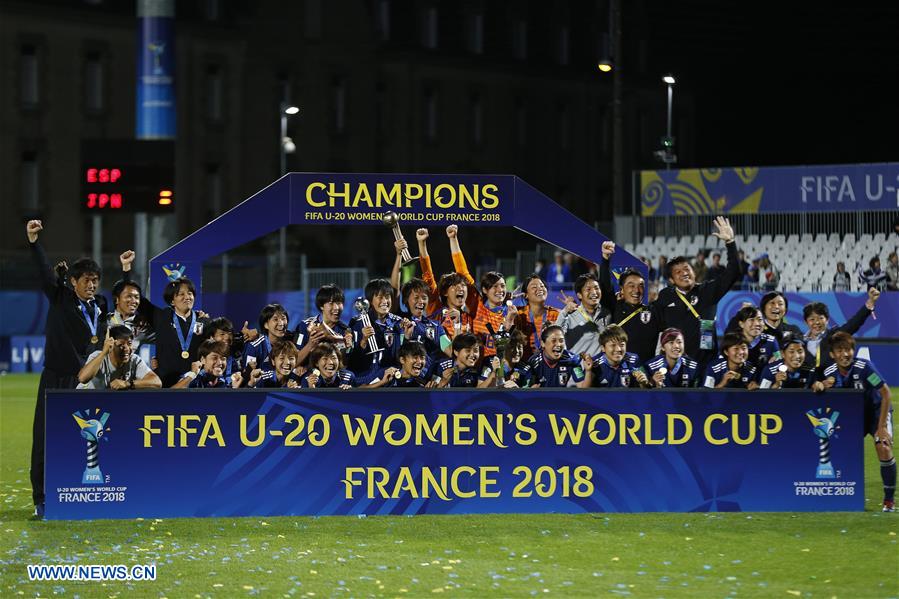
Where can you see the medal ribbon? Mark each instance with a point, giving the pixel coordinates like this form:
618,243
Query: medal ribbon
185,345
91,324
536,330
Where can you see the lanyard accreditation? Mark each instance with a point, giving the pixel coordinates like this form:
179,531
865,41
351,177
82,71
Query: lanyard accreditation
631,315
688,305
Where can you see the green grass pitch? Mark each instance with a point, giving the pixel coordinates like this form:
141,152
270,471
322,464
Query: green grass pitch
640,555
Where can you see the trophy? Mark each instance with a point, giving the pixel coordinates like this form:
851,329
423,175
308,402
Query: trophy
361,306
92,431
392,220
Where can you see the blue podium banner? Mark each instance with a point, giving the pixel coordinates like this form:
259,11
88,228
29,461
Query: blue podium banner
404,452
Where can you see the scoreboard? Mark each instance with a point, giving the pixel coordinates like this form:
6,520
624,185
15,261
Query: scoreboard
127,175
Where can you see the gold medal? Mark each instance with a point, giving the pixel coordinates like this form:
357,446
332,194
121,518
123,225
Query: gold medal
185,354
94,339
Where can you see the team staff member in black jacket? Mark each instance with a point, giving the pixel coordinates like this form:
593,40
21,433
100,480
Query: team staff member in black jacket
691,307
76,323
639,321
178,327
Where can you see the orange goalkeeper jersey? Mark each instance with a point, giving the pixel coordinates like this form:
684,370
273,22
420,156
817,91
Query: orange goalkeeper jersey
477,307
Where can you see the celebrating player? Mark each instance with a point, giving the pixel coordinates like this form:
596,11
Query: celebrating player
554,366
774,307
763,348
466,352
209,371
283,358
326,326
535,315
489,307
615,366
851,372
273,321
672,368
732,369
792,372
375,346
325,370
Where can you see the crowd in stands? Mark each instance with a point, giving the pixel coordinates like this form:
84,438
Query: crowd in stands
452,331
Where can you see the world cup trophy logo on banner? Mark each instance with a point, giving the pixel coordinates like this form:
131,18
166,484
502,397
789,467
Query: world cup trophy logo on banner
93,430
824,424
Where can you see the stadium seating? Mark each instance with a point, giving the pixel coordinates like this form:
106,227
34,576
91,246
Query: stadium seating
806,262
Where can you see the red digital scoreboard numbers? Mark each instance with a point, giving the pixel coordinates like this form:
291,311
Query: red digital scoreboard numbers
127,176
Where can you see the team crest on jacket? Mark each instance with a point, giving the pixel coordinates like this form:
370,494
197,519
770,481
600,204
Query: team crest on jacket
388,338
694,300
564,375
430,332
645,316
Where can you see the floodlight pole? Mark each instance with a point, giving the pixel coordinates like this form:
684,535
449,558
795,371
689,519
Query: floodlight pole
670,83
282,234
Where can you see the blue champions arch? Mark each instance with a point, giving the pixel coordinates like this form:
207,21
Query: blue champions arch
420,200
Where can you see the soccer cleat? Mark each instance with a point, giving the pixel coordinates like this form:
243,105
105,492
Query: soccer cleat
889,505
39,511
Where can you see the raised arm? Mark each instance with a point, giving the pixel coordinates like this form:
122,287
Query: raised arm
607,293
731,275
427,273
92,366
461,267
452,232
399,245
858,319
48,277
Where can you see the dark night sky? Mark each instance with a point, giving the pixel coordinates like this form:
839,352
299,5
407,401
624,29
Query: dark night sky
784,83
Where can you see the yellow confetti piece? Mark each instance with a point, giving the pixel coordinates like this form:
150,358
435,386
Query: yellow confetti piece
447,567
313,571
688,538
264,523
892,534
615,559
247,587
152,528
281,536
796,593
437,590
806,550
401,590
218,585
